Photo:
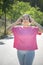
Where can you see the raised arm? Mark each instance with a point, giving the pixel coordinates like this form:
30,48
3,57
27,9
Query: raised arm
38,25
14,24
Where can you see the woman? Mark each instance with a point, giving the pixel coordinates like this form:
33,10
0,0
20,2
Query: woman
25,39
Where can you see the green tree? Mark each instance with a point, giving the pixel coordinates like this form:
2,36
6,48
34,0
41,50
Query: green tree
34,3
21,8
41,4
5,6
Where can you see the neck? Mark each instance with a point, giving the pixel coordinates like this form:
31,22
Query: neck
26,25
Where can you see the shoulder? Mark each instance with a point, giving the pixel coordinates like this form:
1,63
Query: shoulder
34,26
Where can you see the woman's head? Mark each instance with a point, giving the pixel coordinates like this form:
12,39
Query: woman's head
26,19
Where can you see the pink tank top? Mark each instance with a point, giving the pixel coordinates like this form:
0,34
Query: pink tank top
25,38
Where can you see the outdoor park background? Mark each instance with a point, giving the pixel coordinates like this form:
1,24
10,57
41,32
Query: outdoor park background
10,11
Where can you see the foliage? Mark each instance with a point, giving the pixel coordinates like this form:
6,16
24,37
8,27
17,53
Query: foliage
34,3
21,8
5,6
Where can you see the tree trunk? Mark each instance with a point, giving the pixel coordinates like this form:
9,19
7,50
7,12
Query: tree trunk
5,25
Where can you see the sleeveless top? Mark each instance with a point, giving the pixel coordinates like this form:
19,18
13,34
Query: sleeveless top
25,38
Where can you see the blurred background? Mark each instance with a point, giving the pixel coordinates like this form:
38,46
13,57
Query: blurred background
11,10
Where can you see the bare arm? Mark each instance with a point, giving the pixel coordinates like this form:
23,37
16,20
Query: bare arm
13,24
38,25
